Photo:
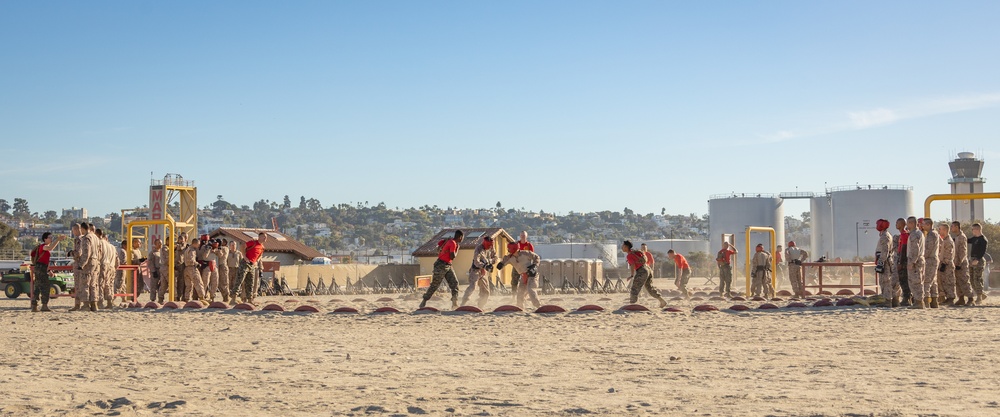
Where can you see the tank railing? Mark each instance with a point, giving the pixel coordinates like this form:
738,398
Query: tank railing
741,195
866,187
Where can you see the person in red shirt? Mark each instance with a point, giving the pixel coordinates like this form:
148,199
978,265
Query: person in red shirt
525,245
724,259
649,259
683,271
640,274
443,270
247,282
40,269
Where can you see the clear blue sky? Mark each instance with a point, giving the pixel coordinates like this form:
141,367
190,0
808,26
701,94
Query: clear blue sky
554,105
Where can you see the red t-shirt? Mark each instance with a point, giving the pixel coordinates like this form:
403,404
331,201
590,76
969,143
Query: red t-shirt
727,255
681,262
525,246
777,257
42,254
649,259
903,237
254,250
634,260
446,250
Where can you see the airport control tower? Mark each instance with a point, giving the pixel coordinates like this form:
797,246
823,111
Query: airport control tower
966,171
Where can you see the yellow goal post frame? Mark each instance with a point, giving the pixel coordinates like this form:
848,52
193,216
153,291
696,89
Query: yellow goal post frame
168,223
952,197
749,255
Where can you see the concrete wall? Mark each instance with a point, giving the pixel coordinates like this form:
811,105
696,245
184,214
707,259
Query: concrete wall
297,275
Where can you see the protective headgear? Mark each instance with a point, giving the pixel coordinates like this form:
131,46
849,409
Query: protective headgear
511,247
204,237
760,247
881,224
487,242
791,243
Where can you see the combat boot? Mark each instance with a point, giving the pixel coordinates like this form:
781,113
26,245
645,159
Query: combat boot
454,303
110,304
76,306
949,301
663,303
93,306
917,304
423,303
895,302
961,301
932,302
979,299
905,302
34,308
45,307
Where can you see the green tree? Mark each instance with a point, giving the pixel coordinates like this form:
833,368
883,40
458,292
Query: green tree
21,209
4,207
51,216
286,203
302,202
8,238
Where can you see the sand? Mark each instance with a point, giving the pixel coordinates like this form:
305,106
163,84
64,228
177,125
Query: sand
815,362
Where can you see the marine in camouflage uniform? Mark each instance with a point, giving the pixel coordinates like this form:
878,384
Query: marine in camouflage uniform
525,265
915,262
78,297
222,268
761,264
932,241
642,275
963,286
105,286
483,260
946,267
795,258
978,245
883,258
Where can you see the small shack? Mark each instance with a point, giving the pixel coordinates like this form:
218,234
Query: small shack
428,252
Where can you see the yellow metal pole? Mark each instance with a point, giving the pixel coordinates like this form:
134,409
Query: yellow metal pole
169,223
951,197
747,261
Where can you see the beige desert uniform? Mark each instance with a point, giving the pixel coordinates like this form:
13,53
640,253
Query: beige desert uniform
120,278
192,278
963,283
155,275
204,272
915,265
213,272
141,284
762,275
520,261
89,265
793,253
946,267
931,243
164,266
222,269
883,250
110,272
482,265
180,288
233,262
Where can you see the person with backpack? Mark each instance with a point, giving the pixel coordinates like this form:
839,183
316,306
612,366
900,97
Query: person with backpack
683,271
40,257
448,251
724,259
640,274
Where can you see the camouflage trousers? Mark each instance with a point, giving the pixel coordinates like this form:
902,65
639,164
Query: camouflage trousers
192,284
443,272
477,281
223,279
725,279
89,290
527,288
795,279
930,277
976,278
246,283
946,281
681,282
963,284
163,287
42,285
902,277
915,278
761,283
643,279
891,288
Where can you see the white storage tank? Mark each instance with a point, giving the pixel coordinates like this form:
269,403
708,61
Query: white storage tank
856,208
820,228
732,213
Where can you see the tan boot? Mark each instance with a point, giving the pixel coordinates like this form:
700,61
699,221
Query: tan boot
932,302
979,299
93,306
917,304
949,301
663,303
110,304
76,306
34,308
895,302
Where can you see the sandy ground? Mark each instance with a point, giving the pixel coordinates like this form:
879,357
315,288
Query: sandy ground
809,362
